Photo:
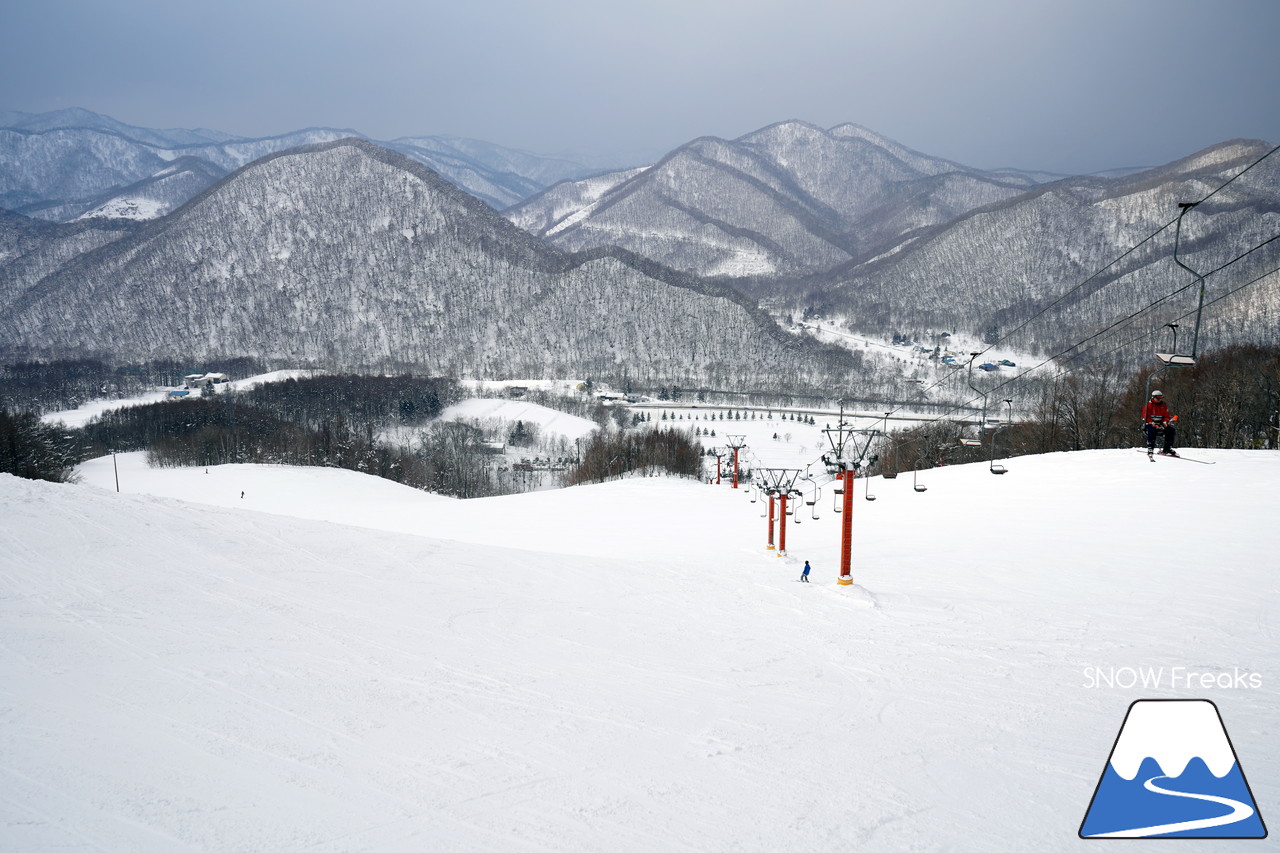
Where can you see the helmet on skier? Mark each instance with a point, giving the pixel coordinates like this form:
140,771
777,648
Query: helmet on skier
1157,394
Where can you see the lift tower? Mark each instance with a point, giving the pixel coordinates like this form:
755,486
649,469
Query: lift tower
849,448
736,443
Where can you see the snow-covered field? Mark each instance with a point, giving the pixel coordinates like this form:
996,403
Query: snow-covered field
622,666
550,421
80,416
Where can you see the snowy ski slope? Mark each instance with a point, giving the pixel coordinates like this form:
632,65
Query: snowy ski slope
334,662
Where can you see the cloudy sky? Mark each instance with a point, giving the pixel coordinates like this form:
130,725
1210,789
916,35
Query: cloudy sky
1065,85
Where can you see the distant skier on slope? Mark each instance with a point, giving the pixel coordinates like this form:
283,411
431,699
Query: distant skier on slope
1156,420
804,576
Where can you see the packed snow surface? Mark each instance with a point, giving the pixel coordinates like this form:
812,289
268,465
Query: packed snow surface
129,208
549,420
621,666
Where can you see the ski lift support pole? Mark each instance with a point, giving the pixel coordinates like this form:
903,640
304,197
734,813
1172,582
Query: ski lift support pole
736,443
781,483
845,459
716,452
771,497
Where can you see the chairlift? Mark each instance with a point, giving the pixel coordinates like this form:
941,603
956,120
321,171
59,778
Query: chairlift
1175,360
893,472
835,506
869,496
996,467
915,474
1172,359
976,441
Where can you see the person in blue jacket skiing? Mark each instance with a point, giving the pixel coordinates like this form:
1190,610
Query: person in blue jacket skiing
804,576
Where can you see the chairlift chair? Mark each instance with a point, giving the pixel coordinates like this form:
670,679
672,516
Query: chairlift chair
812,503
996,467
893,473
869,496
915,474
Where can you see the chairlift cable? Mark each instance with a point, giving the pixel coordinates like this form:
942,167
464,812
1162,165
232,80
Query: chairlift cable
1095,336
1108,266
1128,252
1151,332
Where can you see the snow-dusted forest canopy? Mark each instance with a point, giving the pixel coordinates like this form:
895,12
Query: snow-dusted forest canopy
346,255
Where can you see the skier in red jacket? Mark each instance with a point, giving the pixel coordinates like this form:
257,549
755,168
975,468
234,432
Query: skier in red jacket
1156,420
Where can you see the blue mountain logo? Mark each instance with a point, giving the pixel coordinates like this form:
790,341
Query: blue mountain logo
1173,773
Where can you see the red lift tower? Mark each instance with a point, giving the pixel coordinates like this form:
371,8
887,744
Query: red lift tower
780,483
718,454
849,448
736,443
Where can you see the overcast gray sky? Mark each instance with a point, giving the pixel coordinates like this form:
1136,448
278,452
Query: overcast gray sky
1071,85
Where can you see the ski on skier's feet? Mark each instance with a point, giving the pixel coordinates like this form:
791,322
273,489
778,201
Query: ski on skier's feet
1152,457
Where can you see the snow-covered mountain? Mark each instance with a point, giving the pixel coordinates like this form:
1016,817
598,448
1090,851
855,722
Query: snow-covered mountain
347,254
846,223
61,165
165,191
790,199
997,265
76,117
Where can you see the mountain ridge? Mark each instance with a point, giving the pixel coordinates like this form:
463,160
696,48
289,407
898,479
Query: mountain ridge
789,199
65,180
351,252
